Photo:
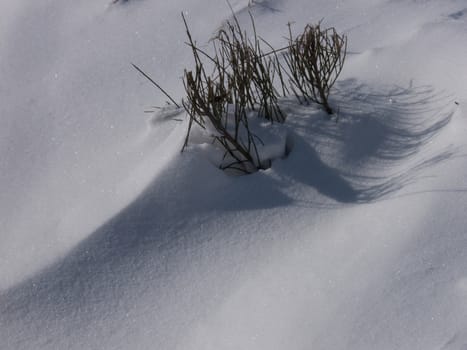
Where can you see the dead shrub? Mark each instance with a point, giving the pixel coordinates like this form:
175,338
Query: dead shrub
236,79
314,60
241,82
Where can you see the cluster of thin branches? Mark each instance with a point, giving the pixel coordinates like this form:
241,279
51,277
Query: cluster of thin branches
240,82
314,60
251,72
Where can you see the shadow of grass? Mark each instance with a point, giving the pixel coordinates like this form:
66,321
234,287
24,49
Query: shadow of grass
374,147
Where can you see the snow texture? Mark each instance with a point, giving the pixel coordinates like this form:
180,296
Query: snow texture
110,238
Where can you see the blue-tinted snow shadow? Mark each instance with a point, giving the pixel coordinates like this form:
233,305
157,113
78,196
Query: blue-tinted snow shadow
377,132
149,234
305,166
461,14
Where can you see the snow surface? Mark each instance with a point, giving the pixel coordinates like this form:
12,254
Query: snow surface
112,239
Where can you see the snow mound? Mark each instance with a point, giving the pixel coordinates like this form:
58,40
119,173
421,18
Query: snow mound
111,238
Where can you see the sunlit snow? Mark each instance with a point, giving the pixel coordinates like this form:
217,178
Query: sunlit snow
110,238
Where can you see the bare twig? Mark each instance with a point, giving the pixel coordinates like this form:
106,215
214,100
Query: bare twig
155,84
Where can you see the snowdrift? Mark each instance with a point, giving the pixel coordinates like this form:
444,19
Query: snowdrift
110,238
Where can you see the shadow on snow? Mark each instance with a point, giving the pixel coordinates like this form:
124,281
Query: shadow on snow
375,147
376,132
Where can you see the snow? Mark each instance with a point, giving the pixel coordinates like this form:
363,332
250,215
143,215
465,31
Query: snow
110,238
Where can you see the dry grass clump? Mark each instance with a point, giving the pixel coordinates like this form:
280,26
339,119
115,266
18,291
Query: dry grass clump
237,79
315,59
251,72
241,82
